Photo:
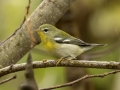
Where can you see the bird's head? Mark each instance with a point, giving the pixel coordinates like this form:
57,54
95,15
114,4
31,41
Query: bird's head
46,31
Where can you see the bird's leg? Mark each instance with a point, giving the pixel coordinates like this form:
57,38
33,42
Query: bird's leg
61,59
44,60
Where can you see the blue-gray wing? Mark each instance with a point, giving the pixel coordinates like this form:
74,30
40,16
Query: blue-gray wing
64,38
72,40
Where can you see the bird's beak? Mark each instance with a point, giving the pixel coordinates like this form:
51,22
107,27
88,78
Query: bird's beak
36,30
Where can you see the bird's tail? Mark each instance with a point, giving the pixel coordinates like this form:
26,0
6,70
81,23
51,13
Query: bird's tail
98,45
90,46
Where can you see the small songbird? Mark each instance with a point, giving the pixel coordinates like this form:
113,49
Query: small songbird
61,43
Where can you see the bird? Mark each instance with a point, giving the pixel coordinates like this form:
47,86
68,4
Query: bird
61,43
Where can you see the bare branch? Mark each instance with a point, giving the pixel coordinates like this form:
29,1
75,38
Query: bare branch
8,79
65,63
81,79
26,13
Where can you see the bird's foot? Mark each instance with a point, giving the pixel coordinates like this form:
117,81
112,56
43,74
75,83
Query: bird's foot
44,60
61,59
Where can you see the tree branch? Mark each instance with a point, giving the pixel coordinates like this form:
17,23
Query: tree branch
65,63
18,44
81,79
8,79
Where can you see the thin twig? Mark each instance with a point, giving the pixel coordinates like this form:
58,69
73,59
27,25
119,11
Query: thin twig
8,79
29,25
27,9
81,79
24,19
65,63
27,12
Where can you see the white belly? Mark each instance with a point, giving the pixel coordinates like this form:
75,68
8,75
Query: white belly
68,50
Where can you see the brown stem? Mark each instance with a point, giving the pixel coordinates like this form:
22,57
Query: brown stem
8,79
81,79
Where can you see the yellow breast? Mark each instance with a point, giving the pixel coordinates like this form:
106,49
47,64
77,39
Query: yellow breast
49,46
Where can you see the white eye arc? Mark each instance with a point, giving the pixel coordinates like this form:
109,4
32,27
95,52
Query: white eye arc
45,30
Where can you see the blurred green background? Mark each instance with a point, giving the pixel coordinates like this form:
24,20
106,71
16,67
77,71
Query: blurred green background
95,21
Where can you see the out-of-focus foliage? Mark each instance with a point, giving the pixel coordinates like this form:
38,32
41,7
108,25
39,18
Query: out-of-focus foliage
100,24
105,22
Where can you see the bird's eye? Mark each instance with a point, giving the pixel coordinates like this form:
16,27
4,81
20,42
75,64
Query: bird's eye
45,29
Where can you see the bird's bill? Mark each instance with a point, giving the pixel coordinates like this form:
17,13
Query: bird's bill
36,30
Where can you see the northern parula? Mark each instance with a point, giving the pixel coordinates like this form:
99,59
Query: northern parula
61,43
